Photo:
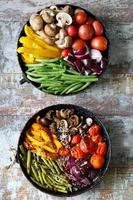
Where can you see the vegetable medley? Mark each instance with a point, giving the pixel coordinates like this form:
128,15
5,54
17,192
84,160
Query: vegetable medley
63,151
60,34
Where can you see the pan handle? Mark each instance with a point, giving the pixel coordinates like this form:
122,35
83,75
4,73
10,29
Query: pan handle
24,80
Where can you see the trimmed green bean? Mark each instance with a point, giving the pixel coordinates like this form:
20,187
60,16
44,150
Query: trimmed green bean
23,150
28,164
34,172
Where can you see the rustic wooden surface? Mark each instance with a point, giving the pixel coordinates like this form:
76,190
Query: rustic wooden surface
111,99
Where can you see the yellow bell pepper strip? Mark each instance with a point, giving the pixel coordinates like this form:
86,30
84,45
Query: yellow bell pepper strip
46,53
41,144
30,33
28,58
29,43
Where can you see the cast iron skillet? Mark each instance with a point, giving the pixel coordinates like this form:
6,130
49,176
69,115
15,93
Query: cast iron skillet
80,111
21,63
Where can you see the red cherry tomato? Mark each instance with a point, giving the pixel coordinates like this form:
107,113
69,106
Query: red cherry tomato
99,43
86,32
97,138
94,130
98,27
87,145
97,161
65,52
102,149
76,139
72,31
76,152
89,20
80,17
63,151
78,44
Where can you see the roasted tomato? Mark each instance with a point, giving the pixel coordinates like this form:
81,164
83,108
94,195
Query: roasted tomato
87,145
65,52
76,139
98,27
76,152
94,130
102,149
80,17
97,138
63,151
97,161
99,43
86,31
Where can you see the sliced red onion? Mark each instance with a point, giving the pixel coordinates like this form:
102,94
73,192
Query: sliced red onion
96,55
79,66
70,58
96,70
82,57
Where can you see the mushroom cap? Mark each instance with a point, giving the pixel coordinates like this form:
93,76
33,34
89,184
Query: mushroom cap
47,15
36,22
50,29
63,19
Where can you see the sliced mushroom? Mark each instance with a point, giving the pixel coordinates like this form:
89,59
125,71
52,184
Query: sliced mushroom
66,113
73,121
55,8
44,121
63,124
63,19
50,29
49,40
48,15
73,130
68,9
53,127
63,41
89,121
50,114
58,114
36,22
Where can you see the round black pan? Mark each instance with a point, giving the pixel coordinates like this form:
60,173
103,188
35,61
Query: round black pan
80,111
21,63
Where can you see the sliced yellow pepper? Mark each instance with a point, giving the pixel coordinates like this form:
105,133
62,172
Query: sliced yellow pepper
30,33
29,43
28,58
46,53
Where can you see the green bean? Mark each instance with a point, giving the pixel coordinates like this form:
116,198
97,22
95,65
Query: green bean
43,60
45,180
61,168
34,172
40,177
56,167
60,190
43,186
23,151
74,88
83,87
28,164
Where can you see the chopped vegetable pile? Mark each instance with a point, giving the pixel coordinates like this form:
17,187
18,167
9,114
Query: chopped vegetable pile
63,33
63,150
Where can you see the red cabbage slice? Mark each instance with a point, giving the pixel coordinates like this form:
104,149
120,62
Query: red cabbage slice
79,66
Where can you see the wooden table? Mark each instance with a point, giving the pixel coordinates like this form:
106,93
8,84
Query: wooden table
111,99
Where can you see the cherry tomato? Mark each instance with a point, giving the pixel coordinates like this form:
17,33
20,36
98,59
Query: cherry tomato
89,20
63,151
97,161
99,43
86,32
80,17
65,52
102,148
87,145
76,139
78,44
72,31
98,27
76,152
94,130
97,138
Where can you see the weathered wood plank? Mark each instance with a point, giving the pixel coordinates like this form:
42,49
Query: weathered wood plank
111,95
111,10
